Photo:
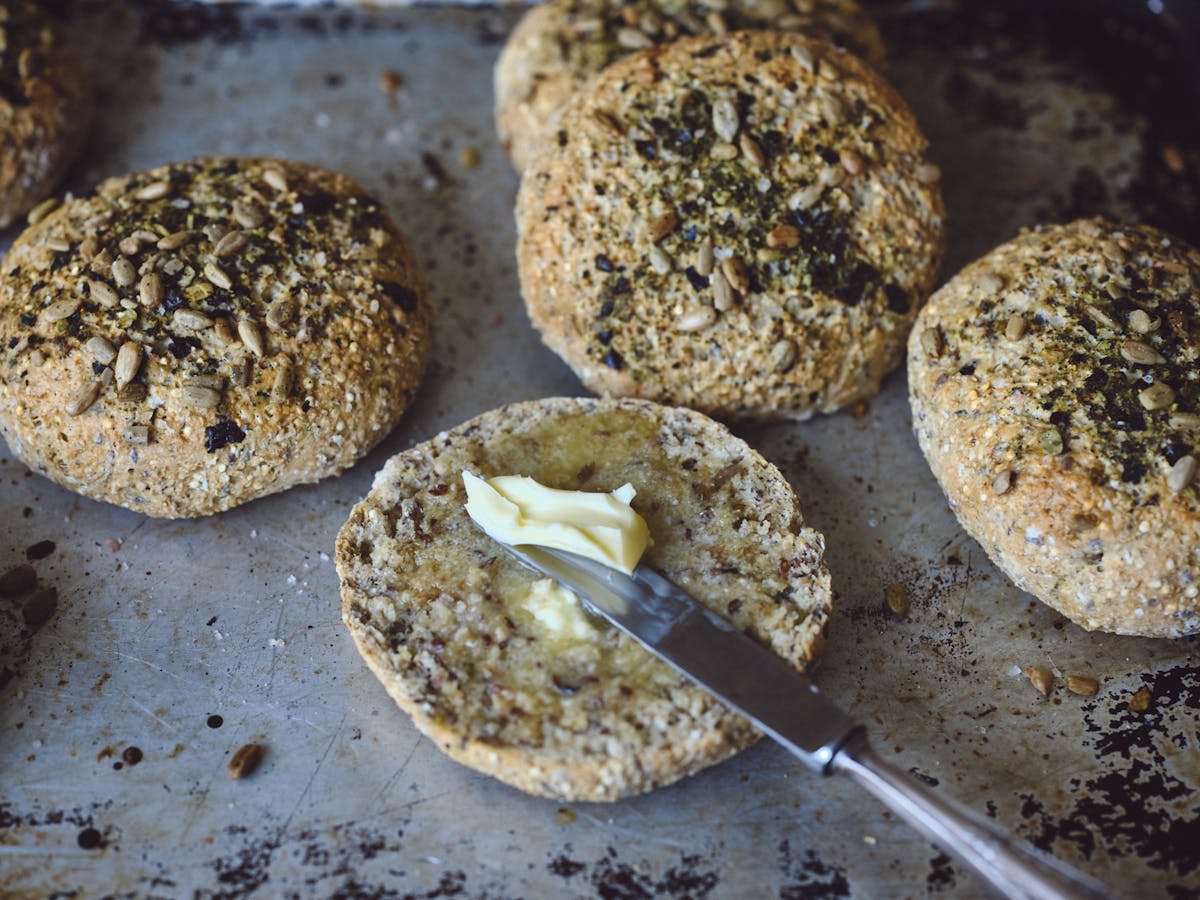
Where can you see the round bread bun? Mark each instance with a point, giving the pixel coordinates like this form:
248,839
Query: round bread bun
435,605
559,46
44,107
745,226
1056,394
192,337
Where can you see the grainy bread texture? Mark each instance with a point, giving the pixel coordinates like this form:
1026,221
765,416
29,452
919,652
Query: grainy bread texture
1056,394
44,107
746,226
559,46
435,606
192,337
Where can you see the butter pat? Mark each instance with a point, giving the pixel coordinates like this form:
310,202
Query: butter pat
558,610
514,509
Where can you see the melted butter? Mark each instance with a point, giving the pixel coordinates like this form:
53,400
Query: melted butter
514,509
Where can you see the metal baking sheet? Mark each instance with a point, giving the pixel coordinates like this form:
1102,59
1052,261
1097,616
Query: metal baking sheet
174,643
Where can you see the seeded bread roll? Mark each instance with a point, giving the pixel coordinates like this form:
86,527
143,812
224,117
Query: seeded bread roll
746,226
195,336
44,107
559,46
1056,394
435,606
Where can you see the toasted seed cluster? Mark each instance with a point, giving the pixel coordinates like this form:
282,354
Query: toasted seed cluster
436,607
561,45
661,259
142,367
1068,444
44,109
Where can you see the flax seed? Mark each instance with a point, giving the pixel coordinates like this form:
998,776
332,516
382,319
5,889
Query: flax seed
722,151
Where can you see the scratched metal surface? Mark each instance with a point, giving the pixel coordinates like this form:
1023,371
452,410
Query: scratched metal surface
163,625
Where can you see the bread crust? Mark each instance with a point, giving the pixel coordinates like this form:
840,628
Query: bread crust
434,604
1055,394
45,108
559,46
824,219
191,337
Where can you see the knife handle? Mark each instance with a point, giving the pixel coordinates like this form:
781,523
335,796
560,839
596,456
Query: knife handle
1011,867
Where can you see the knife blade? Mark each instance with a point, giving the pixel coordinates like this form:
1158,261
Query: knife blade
787,706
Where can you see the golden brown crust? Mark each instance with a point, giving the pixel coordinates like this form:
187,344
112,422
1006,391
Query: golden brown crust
198,335
44,107
434,604
1056,395
559,46
744,226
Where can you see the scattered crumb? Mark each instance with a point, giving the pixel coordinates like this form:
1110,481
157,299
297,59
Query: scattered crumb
898,600
1082,685
245,760
1173,159
275,642
468,157
1140,701
390,81
113,545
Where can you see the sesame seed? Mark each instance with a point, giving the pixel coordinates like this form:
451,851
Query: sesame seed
1181,474
81,400
129,360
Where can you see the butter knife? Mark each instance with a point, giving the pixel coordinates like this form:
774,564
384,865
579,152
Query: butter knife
788,707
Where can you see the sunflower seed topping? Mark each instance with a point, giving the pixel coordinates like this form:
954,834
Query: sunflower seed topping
752,151
231,243
129,360
660,260
1141,354
42,210
725,119
1184,421
803,55
175,240
153,191
723,293
60,309
137,434
783,355
1157,396
248,213
82,399
1140,321
696,317
216,276
281,387
660,226
1181,474
224,330
783,237
806,197
1002,482
200,396
704,257
736,273
101,349
633,39
193,319
280,313
1016,327
276,179
251,336
852,162
123,271
932,341
150,289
